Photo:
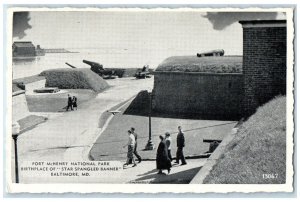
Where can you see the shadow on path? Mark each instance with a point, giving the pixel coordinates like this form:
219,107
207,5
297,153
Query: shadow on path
183,177
149,172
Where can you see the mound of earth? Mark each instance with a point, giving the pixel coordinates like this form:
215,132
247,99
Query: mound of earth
222,64
257,154
66,78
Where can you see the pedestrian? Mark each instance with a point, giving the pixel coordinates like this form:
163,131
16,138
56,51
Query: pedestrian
180,145
135,152
130,146
70,103
168,143
74,102
162,159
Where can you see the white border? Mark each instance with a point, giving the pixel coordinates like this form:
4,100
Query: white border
153,188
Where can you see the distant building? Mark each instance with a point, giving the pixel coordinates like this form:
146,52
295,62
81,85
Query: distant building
23,49
39,51
26,49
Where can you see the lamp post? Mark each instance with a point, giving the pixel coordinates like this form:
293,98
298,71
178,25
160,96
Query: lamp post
150,145
15,133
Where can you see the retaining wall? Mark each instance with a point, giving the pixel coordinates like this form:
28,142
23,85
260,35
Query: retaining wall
19,106
199,95
30,87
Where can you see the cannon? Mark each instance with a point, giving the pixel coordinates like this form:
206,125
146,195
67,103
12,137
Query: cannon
95,67
93,64
143,73
219,52
70,65
98,69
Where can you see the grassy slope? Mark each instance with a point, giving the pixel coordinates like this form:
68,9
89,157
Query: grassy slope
74,79
224,64
258,148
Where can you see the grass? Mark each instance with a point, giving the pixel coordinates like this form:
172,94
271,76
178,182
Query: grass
259,148
223,64
67,78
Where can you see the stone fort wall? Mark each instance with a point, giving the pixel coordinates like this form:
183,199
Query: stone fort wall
198,95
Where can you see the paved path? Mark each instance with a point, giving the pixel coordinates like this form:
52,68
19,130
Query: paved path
76,130
109,146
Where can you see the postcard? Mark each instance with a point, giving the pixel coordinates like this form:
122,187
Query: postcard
158,100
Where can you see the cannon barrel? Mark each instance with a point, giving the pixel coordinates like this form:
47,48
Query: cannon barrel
91,63
218,52
71,65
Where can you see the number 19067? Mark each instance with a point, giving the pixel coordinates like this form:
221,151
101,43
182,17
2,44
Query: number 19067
270,176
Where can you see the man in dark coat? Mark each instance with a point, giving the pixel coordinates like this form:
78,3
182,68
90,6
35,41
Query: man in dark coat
180,145
70,103
162,159
135,152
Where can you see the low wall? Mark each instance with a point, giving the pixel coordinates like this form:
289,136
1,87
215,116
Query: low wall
199,95
19,106
30,87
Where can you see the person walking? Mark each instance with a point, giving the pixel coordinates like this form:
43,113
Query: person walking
162,159
130,146
74,102
70,103
168,143
135,152
180,145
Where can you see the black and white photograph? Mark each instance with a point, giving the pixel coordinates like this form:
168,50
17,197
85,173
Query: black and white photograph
185,99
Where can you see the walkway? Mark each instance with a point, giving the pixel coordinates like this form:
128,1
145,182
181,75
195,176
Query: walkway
76,129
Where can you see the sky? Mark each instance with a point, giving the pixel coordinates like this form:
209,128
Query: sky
188,32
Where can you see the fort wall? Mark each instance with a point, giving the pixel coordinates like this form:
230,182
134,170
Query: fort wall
199,95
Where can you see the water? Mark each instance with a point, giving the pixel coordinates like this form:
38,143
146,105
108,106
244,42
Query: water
108,57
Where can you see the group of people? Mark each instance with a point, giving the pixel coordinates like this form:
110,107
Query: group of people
72,103
163,155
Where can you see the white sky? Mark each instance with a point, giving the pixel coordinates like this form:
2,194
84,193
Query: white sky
185,31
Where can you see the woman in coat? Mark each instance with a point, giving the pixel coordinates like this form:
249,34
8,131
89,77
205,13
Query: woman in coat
162,160
74,101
